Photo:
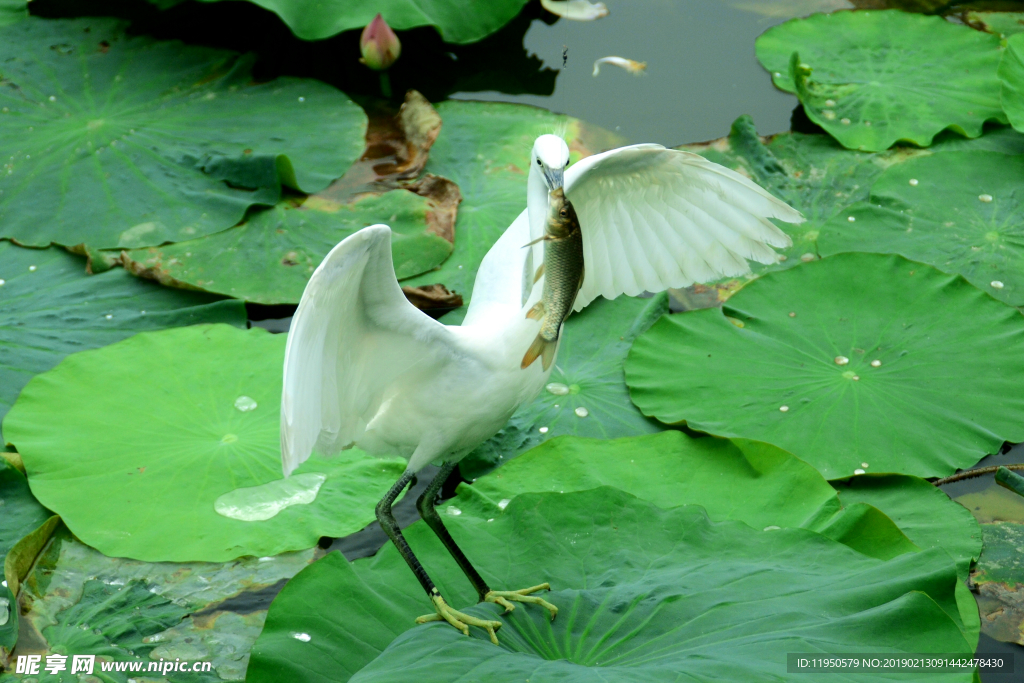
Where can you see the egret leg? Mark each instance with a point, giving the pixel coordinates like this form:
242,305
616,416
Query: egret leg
426,506
387,521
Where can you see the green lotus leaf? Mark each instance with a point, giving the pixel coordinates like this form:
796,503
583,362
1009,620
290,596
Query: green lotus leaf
924,513
636,599
996,138
484,147
587,378
113,620
171,427
51,308
846,360
1002,24
747,481
812,173
22,513
226,602
270,257
873,78
1011,75
456,22
12,11
958,211
119,141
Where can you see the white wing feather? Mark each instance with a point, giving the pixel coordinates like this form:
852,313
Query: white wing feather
352,338
654,218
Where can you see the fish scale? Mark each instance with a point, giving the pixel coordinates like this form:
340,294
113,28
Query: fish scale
563,277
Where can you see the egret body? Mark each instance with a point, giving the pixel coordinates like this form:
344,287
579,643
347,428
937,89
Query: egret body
363,367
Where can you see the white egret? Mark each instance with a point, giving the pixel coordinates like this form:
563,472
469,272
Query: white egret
365,368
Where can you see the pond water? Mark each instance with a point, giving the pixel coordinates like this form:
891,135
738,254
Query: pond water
701,72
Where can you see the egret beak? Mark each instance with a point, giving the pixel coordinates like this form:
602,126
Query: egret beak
553,177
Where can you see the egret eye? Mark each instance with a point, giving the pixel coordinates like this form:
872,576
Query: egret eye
567,163
539,163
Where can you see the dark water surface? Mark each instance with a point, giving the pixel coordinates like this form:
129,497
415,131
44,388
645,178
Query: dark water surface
701,72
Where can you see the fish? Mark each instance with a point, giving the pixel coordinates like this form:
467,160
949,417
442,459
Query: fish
631,65
563,277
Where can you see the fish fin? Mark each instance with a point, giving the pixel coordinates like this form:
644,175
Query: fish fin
537,312
540,272
539,239
540,348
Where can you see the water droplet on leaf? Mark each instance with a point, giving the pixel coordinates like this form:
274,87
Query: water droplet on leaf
557,388
257,503
245,404
581,412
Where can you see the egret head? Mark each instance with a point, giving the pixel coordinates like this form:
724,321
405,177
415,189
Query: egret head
550,157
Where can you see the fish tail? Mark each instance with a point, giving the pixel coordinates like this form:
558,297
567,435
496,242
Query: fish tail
540,348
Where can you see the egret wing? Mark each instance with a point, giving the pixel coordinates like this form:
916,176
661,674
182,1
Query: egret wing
654,218
354,336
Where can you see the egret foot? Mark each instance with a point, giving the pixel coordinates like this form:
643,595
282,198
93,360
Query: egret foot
459,620
503,598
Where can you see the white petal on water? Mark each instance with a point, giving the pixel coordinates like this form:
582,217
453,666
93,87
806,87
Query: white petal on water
577,10
557,388
996,284
841,360
985,198
581,412
257,503
245,404
304,637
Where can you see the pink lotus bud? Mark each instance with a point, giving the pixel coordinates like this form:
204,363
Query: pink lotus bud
379,45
